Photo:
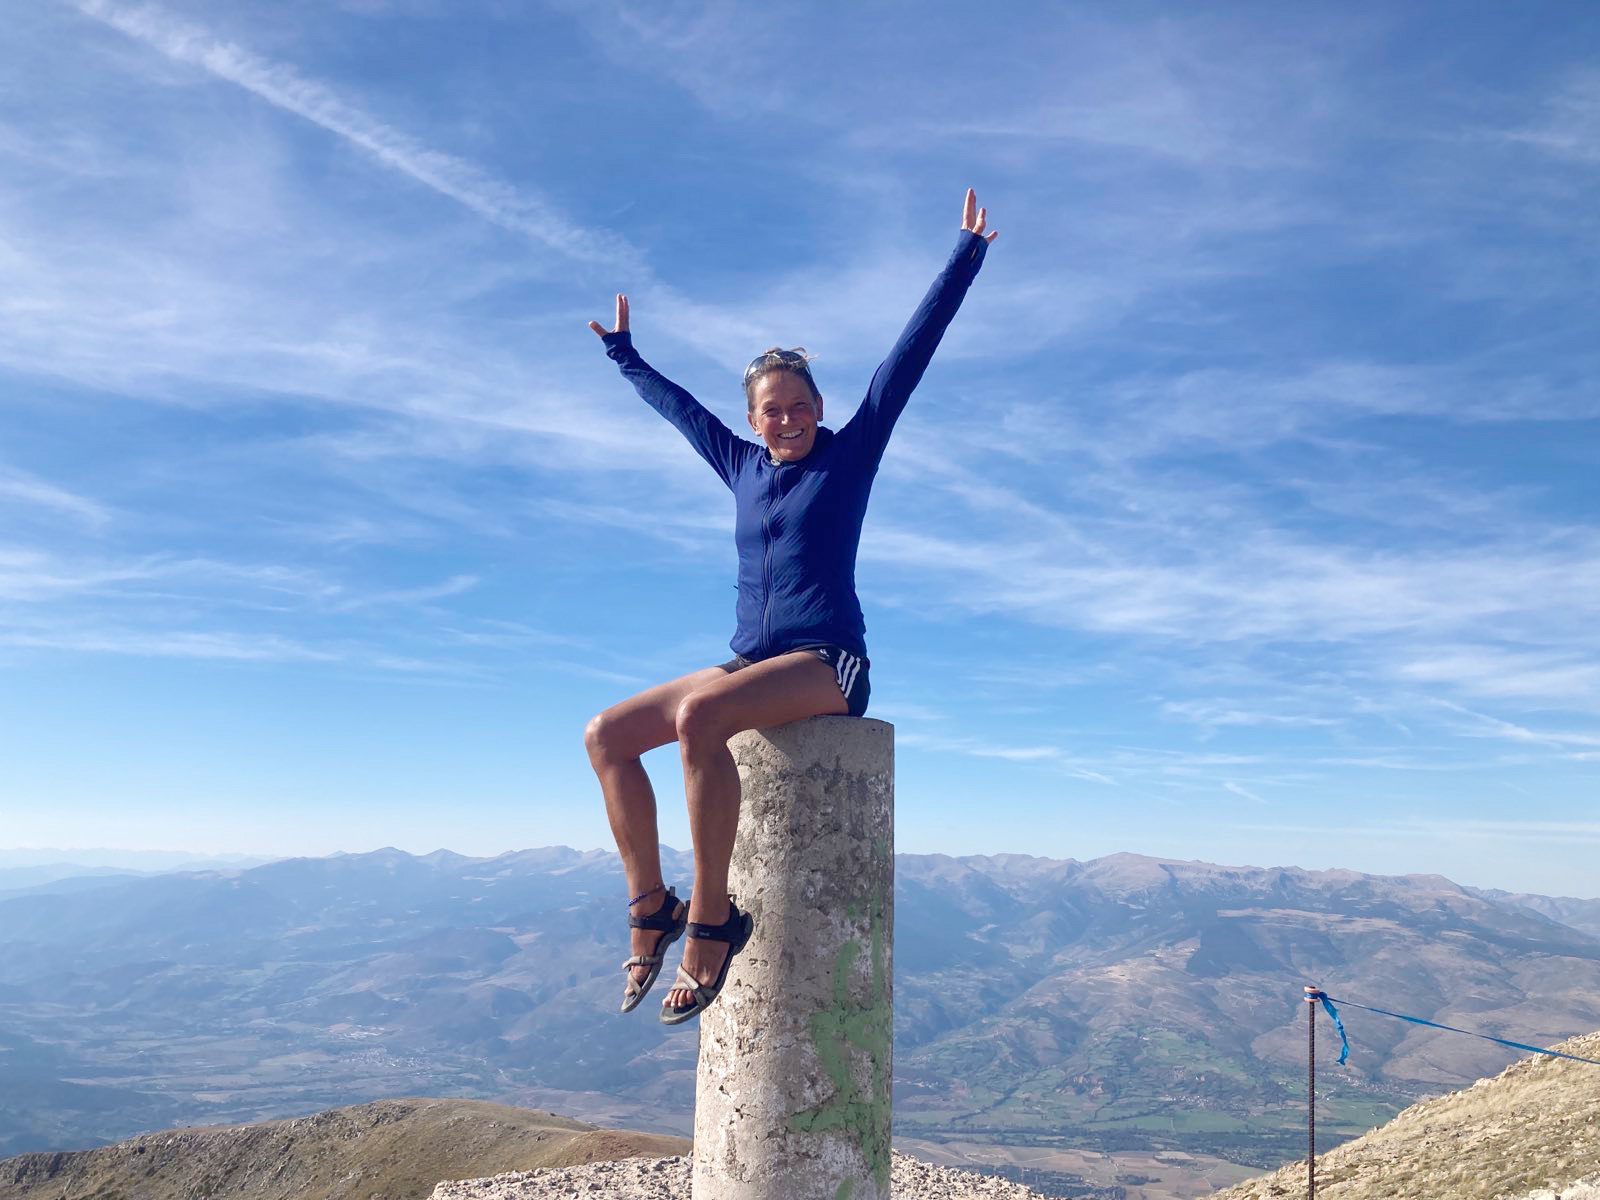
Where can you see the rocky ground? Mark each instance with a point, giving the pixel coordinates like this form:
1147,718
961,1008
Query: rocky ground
1529,1133
668,1179
1584,1189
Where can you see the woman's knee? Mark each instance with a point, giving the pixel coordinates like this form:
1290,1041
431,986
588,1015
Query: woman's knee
599,738
699,720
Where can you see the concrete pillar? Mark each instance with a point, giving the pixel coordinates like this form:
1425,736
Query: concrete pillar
792,1101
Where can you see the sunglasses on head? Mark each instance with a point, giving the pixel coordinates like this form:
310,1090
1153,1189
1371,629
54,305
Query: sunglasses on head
783,360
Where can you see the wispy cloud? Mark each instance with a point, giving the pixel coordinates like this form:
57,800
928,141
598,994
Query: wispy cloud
234,647
1193,92
97,638
453,586
33,575
510,208
1567,673
720,52
1268,586
508,635
1237,411
1483,725
978,748
1445,829
1569,127
1448,761
1217,713
28,489
36,578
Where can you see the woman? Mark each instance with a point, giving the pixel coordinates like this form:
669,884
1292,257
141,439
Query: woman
799,649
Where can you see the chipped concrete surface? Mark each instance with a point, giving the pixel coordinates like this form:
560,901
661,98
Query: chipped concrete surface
795,1057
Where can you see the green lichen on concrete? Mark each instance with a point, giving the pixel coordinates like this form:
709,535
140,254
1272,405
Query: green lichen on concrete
844,1032
846,1186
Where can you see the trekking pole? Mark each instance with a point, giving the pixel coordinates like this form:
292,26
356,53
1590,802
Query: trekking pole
1312,996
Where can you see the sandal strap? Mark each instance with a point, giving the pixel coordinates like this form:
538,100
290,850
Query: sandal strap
729,931
700,991
664,919
642,960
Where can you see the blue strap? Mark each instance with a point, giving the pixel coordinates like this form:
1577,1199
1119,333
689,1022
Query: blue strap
1453,1029
1344,1041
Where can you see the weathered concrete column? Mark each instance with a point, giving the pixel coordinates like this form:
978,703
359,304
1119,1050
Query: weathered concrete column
793,1095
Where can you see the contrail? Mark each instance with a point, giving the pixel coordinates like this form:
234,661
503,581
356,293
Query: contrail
281,86
1241,791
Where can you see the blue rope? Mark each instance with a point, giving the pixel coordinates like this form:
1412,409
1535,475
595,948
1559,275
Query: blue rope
1450,1028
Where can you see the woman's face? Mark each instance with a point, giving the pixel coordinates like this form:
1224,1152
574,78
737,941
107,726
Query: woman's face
784,414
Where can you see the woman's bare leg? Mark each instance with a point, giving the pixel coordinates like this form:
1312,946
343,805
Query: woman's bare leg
775,692
616,739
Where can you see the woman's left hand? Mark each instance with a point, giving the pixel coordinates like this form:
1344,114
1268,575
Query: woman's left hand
974,219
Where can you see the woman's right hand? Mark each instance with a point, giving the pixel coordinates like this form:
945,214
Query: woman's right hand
622,319
975,219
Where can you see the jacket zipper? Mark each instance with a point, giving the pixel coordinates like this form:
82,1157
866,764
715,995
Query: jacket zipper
766,566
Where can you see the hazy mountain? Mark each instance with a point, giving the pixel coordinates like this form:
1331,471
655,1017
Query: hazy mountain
1121,1002
144,861
395,1148
1580,914
60,877
24,870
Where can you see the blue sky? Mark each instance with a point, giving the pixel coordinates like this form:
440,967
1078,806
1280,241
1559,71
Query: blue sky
1248,512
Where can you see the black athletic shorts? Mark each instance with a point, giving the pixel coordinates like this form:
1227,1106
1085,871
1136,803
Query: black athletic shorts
850,670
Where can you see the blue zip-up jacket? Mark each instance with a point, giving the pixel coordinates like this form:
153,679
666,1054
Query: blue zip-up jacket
798,524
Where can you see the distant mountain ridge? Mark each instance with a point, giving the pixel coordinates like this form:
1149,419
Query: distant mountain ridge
1583,915
130,860
21,870
1121,1002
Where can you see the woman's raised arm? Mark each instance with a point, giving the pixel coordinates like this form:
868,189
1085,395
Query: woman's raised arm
899,374
711,439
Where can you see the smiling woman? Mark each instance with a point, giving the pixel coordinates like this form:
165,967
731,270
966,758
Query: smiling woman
800,645
785,406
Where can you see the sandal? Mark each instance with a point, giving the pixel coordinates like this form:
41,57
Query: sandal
736,932
670,920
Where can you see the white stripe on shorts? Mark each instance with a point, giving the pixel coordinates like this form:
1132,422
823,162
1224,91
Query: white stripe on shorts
847,670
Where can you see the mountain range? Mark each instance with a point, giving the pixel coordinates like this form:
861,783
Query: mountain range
1122,1002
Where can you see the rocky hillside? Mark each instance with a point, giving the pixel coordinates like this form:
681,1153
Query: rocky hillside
1531,1129
390,1150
